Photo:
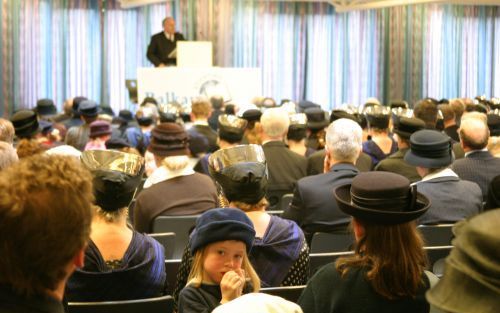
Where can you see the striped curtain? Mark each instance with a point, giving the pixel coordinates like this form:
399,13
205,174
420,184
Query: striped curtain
65,48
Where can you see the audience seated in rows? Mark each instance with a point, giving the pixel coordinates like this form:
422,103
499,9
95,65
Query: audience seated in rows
45,218
386,272
313,206
120,263
173,188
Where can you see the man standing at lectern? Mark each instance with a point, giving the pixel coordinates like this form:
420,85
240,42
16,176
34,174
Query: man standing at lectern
162,44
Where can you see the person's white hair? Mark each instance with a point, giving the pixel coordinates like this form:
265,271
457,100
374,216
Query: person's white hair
8,155
344,140
275,122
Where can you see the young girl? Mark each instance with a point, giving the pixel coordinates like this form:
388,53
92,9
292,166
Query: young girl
220,244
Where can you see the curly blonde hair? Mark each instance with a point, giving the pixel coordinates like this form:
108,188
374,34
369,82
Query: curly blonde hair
45,217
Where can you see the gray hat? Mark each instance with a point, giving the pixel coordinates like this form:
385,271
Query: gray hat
471,276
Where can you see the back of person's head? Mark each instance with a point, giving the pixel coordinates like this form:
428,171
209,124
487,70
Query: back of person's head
28,147
474,133
275,122
217,102
344,139
427,111
470,281
217,225
201,108
458,107
6,131
447,112
45,216
231,128
384,206
297,130
8,155
147,114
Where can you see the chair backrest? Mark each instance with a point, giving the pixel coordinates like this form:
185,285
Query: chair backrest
436,256
275,212
286,200
437,235
332,242
164,304
167,240
180,225
318,260
171,268
290,293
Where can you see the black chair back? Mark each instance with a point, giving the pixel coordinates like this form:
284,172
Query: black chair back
318,260
180,225
290,293
286,200
171,267
436,235
164,304
332,242
167,240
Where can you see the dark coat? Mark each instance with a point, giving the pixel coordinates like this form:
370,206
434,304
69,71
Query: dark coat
182,195
479,167
315,163
160,47
395,163
452,199
285,167
207,132
452,132
314,207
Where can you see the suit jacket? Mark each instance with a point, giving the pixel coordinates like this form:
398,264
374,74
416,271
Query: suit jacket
314,207
452,199
285,167
315,163
182,195
207,132
160,47
479,167
395,163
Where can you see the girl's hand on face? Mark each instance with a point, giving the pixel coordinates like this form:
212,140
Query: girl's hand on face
232,284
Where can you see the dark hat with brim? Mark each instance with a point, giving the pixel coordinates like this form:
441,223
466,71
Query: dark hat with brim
338,114
116,144
381,198
406,126
76,104
169,139
430,149
305,104
88,108
25,124
252,115
45,107
470,282
126,115
99,128
116,176
317,118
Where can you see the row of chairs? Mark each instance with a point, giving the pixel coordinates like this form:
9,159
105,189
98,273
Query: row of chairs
173,233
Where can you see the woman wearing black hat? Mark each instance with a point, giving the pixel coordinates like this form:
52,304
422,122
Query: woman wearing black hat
120,263
386,272
280,252
381,145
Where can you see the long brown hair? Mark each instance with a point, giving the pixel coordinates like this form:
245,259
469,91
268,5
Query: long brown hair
394,257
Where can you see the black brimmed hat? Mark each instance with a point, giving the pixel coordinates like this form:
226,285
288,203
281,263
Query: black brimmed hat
381,198
25,123
45,107
430,149
169,139
88,108
406,126
317,118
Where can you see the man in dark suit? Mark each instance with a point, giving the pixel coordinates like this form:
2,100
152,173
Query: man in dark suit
162,44
313,206
479,165
285,166
403,128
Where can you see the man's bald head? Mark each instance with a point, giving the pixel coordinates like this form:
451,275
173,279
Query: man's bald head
474,134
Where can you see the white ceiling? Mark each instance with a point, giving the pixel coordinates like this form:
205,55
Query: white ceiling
346,5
